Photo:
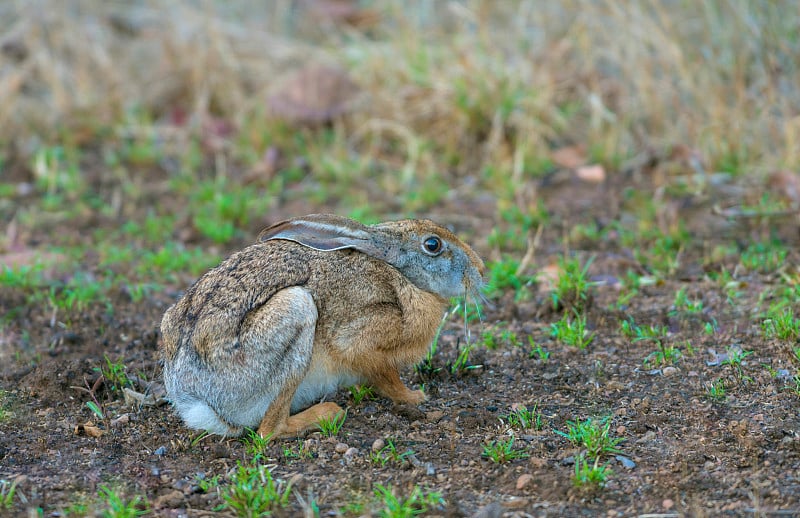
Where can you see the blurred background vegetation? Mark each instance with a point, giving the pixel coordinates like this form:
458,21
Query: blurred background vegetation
401,92
199,122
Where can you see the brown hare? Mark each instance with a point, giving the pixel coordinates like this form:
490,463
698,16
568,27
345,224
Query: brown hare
318,302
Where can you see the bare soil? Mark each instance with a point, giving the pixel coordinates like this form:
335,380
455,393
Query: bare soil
691,455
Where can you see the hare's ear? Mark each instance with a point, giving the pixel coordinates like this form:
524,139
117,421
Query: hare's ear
327,232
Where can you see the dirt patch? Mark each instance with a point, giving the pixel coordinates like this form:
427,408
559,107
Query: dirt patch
683,451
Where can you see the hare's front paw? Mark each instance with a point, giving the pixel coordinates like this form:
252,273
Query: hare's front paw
412,397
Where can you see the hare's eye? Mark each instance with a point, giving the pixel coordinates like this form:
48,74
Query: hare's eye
432,245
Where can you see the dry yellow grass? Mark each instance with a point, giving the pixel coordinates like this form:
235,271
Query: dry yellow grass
447,86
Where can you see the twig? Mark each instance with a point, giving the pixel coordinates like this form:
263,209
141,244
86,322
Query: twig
753,213
533,243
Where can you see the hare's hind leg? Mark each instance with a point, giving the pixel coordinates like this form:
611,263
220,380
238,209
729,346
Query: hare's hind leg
280,335
278,423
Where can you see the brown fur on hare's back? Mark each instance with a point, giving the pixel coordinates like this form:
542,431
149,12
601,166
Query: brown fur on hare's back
318,302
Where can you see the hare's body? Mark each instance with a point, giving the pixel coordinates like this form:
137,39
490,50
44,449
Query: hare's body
279,325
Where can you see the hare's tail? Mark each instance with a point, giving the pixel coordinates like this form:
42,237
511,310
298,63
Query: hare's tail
200,416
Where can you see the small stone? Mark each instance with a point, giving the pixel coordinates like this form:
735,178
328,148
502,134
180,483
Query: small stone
351,452
169,500
647,437
341,447
378,445
493,510
524,480
160,451
625,461
667,503
434,415
220,451
120,421
538,462
669,371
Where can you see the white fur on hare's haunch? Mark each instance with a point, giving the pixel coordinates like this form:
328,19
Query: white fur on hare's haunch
319,302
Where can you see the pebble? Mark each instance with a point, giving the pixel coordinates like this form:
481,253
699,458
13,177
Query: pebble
538,462
162,450
434,415
669,371
647,437
351,452
120,421
524,480
341,447
493,510
220,451
378,445
625,461
667,503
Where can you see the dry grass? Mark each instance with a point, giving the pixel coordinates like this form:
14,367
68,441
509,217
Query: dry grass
447,86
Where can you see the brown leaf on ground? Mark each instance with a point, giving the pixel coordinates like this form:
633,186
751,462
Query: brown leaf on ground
785,184
687,156
569,157
264,169
342,12
594,173
88,429
315,94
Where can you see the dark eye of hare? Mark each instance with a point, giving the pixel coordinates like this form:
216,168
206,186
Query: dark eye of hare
432,245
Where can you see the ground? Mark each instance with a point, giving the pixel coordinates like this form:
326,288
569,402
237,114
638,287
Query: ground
683,451
627,171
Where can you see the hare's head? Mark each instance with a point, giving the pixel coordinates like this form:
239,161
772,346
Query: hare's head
427,254
433,258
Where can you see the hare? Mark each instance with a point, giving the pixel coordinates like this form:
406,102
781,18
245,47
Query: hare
318,302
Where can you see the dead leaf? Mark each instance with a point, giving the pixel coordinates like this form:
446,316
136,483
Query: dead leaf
121,421
89,429
264,169
686,157
786,185
315,94
591,173
342,12
569,157
137,399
